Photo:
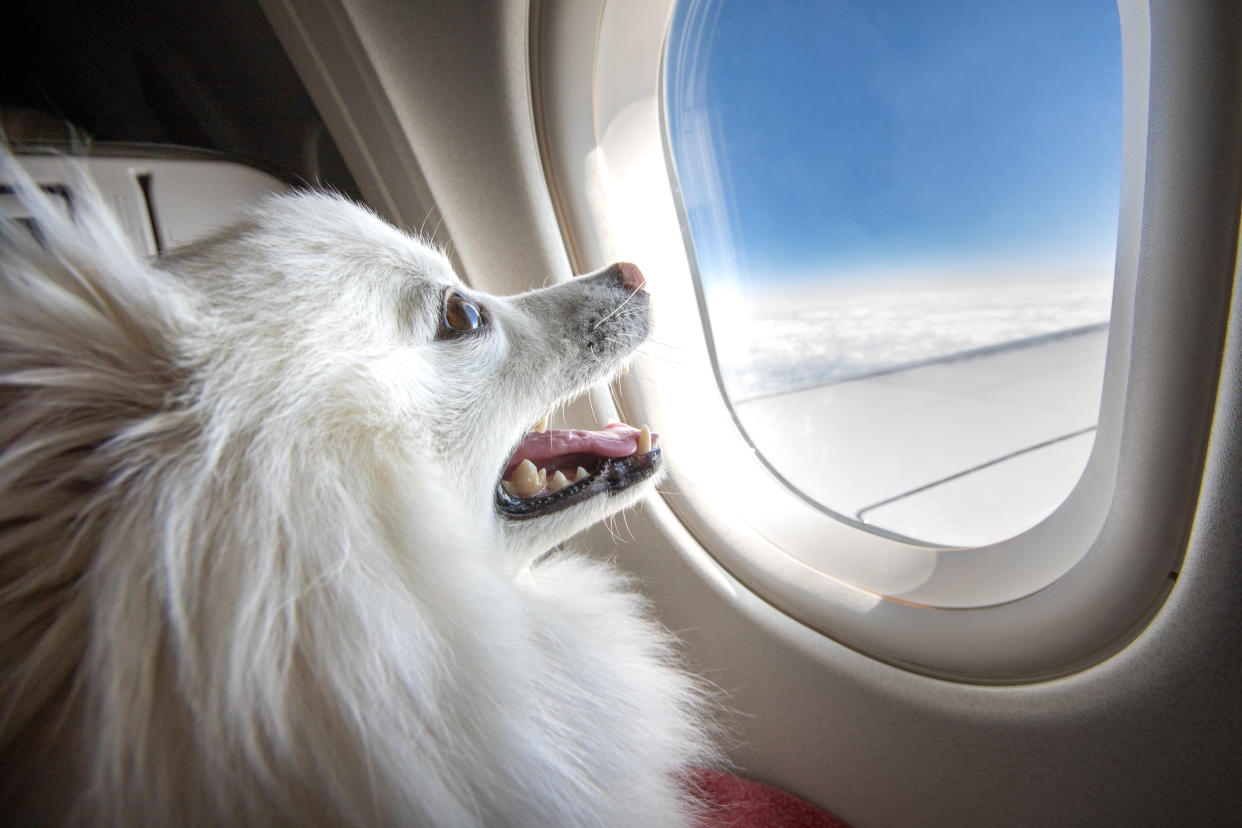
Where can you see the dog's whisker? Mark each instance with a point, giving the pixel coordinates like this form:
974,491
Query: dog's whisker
625,520
591,406
653,341
435,231
662,353
663,358
612,528
615,310
423,224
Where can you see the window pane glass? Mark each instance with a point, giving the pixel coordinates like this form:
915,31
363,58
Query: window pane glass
904,219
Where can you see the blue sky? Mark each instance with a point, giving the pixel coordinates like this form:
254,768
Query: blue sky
856,135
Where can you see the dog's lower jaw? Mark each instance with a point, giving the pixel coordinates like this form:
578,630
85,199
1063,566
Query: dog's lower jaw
532,538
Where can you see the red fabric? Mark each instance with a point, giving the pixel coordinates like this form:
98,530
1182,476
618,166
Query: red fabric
741,803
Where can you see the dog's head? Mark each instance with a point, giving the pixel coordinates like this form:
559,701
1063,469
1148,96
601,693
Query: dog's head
341,330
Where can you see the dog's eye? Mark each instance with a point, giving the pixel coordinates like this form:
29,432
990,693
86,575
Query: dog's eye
460,314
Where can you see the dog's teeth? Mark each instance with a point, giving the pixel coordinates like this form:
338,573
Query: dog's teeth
525,480
581,474
644,440
558,482
543,479
508,487
541,426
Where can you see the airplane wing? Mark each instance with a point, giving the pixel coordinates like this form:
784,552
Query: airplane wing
960,450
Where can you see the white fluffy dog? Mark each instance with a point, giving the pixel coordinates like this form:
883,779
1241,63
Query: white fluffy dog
269,554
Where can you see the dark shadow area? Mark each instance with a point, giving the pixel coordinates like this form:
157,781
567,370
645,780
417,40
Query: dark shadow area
211,76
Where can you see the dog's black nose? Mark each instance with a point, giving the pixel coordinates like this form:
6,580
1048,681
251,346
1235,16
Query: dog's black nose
629,275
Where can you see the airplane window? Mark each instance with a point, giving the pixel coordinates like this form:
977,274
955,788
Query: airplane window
904,219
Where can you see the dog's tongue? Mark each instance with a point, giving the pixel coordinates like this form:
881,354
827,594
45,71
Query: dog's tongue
616,440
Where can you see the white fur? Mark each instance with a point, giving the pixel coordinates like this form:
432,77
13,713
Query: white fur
250,567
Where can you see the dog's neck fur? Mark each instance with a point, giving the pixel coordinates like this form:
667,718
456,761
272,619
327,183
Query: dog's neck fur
253,674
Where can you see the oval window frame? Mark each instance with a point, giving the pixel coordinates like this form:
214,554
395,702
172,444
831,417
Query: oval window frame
1062,595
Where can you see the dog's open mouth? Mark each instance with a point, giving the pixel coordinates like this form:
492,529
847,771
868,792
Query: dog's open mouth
556,468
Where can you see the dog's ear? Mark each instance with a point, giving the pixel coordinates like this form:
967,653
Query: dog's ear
87,342
88,367
75,298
